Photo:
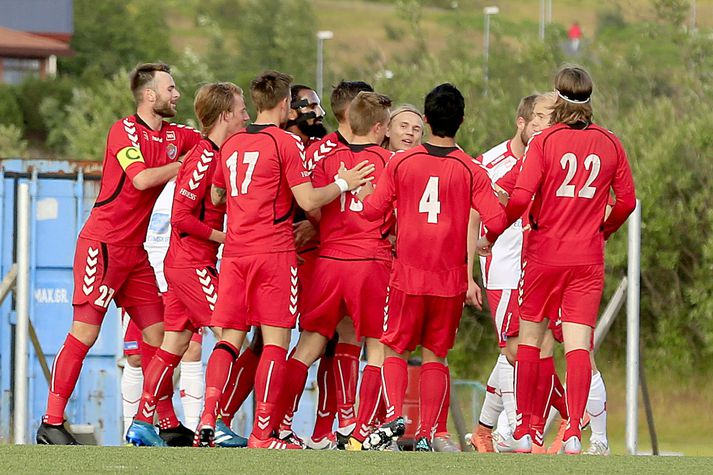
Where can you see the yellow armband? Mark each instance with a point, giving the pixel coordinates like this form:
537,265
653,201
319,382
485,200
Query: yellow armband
129,155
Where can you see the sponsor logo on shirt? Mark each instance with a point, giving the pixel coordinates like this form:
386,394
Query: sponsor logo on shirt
159,223
188,194
172,151
170,135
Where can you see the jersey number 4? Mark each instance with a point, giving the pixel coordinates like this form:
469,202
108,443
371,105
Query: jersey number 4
249,159
429,203
569,162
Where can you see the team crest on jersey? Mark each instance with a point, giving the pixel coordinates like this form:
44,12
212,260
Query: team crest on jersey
170,135
172,151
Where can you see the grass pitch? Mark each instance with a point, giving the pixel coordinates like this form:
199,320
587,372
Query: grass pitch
41,459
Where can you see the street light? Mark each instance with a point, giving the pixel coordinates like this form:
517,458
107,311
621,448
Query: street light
545,17
487,12
321,36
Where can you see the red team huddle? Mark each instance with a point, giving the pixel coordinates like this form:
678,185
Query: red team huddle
357,196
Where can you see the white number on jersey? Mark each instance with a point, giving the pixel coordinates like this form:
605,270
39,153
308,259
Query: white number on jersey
105,298
569,162
355,205
249,159
429,201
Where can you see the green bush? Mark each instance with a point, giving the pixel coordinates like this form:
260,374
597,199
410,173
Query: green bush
12,145
30,95
10,112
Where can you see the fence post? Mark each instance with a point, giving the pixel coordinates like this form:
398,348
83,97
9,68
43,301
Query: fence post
632,329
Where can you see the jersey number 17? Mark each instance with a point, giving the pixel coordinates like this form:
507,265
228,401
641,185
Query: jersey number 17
249,159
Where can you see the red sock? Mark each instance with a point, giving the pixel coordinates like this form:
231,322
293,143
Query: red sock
65,373
442,423
432,397
295,379
380,408
394,379
541,400
164,407
369,401
527,367
346,364
558,400
579,378
216,379
240,386
158,383
327,408
268,384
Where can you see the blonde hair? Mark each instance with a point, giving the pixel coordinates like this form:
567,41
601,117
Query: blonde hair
366,110
212,100
399,110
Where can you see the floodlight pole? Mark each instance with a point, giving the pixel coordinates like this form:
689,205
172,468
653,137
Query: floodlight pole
632,329
321,36
22,306
487,12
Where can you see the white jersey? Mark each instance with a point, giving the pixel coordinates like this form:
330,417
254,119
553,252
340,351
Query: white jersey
159,233
501,269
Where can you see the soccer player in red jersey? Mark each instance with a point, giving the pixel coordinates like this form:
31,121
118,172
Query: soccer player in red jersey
434,186
501,273
354,260
261,171
570,169
142,153
338,368
189,266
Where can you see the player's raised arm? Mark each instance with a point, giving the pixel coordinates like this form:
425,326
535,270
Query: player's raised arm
310,198
623,186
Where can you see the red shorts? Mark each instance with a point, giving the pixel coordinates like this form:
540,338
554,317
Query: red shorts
347,287
133,337
505,312
103,272
426,320
262,289
190,299
573,292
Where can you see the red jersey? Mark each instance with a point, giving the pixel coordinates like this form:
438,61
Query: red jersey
435,187
194,216
258,166
345,233
570,172
121,213
316,151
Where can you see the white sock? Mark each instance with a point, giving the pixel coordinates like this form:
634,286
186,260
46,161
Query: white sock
132,384
506,374
192,386
504,428
597,409
493,404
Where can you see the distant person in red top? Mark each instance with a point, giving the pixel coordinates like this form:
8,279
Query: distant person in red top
570,169
142,154
435,185
338,368
354,261
575,35
190,263
261,174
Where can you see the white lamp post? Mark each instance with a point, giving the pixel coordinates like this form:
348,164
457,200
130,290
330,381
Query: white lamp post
487,12
321,36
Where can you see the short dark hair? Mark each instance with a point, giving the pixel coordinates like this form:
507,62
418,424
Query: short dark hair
269,88
142,75
444,109
343,94
295,90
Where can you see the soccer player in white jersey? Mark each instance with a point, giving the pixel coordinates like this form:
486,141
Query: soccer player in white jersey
501,272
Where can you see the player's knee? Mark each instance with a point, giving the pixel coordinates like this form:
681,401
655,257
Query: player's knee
134,361
153,334
85,332
192,352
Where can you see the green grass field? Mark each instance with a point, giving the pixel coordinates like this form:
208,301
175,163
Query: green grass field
34,459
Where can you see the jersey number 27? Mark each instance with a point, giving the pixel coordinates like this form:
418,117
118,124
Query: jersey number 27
249,159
